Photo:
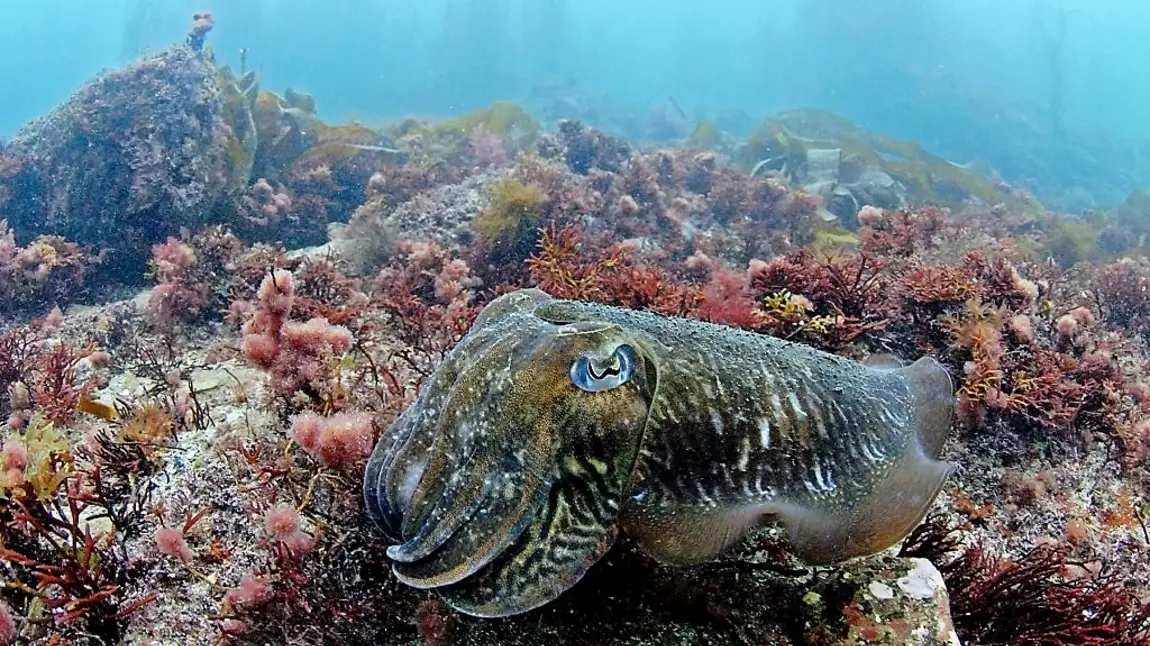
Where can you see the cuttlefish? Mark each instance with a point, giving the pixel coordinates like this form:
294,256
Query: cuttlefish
554,425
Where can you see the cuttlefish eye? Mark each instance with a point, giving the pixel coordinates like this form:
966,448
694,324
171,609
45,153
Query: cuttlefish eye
596,374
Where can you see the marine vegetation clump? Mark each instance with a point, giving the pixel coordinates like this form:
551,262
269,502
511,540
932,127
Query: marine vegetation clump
852,168
106,476
303,359
1039,600
191,275
428,299
587,149
566,265
510,123
1043,598
850,289
510,221
487,138
370,236
705,136
49,269
63,564
1121,294
1070,241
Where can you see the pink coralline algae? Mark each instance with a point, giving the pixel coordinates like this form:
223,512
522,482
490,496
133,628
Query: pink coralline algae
282,525
342,441
170,541
175,297
302,358
251,592
7,626
264,206
262,333
13,460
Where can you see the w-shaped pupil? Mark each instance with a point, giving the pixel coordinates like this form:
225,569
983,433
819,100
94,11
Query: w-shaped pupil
609,371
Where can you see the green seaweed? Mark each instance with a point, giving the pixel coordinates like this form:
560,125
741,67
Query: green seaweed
705,136
514,211
507,120
834,239
238,99
300,100
291,136
1070,241
334,153
1134,215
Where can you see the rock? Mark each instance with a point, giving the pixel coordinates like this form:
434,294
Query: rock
823,165
847,183
884,600
849,167
1134,213
129,159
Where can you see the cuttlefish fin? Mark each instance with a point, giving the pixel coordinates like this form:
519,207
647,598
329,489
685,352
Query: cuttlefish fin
818,535
932,400
683,535
880,520
901,493
821,532
883,360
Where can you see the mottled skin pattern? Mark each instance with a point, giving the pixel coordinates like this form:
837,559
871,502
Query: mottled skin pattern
517,466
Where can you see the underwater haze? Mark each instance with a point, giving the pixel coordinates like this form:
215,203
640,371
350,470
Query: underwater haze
586,322
960,76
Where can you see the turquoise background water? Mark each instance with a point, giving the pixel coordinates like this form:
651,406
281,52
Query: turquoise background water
960,76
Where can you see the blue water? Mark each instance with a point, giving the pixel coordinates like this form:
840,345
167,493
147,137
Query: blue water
963,77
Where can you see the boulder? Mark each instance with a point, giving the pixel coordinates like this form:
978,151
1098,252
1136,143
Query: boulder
885,600
126,161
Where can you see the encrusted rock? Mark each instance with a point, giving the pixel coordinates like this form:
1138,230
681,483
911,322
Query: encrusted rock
884,600
130,158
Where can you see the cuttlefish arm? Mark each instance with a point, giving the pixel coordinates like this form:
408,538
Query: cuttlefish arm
578,523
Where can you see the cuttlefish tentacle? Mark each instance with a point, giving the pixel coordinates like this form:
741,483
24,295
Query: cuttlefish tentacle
379,467
555,424
551,556
464,446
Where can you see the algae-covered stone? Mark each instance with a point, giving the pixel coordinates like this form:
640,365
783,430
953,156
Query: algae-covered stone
850,168
129,159
884,600
1133,215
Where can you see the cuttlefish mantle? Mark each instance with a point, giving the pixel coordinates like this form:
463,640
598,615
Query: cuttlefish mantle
553,425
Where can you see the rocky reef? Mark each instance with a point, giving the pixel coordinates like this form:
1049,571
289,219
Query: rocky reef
851,168
129,159
183,464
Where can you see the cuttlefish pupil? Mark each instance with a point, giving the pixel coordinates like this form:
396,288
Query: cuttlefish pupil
554,425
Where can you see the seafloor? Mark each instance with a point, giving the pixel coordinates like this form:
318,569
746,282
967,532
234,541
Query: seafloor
215,303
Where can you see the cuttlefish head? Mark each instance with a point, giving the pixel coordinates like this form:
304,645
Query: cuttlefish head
502,484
